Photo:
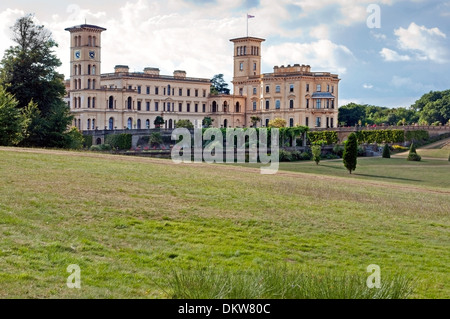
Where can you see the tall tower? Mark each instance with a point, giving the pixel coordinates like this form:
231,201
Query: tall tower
247,58
85,64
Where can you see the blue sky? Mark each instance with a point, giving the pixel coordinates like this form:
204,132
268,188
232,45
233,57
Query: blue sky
393,65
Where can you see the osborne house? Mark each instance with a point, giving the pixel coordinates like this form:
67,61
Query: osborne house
133,100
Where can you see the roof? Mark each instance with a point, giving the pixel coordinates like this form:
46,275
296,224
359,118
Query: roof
322,95
247,38
85,26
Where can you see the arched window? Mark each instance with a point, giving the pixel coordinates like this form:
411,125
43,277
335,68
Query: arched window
79,69
170,124
93,84
89,102
129,103
76,84
139,124
88,124
89,84
99,141
93,70
214,107
93,102
147,124
111,103
111,124
238,107
168,90
89,69
79,84
225,106
130,123
75,123
75,70
93,124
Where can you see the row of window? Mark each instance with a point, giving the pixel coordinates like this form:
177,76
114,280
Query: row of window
243,50
329,122
291,89
168,91
328,103
319,88
91,41
91,84
91,69
91,101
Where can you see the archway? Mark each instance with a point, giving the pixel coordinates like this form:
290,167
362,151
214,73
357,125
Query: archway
99,141
130,123
111,124
238,107
214,107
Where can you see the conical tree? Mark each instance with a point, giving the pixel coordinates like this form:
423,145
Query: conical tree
412,149
386,151
350,156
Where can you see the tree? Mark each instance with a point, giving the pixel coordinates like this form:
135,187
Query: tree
351,113
255,120
218,85
316,152
413,156
207,122
350,156
29,73
13,123
386,151
184,124
159,121
277,123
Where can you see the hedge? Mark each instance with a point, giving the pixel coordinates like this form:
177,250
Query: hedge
421,135
87,141
381,136
119,141
330,137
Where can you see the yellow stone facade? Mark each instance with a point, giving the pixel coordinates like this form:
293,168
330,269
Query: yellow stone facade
133,100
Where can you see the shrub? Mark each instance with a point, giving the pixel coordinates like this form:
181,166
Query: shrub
325,137
420,135
316,151
414,157
412,149
361,151
351,153
87,141
386,151
331,156
119,141
155,139
95,148
338,150
285,156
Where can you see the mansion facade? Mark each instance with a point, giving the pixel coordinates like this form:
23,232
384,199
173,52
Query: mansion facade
133,100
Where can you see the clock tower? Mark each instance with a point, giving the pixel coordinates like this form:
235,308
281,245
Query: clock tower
85,65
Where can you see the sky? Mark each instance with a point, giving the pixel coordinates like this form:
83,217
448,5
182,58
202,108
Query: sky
386,53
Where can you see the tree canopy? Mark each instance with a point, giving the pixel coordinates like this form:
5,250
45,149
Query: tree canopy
218,85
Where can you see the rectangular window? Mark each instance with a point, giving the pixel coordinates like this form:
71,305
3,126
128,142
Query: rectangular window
156,106
278,104
164,106
196,108
93,106
332,104
180,92
204,93
267,104
254,66
164,91
328,88
254,91
332,123
241,66
277,89
156,90
291,104
241,91
148,90
196,93
291,88
188,92
318,104
307,103
130,87
147,106
180,107
139,89
139,105
188,107
307,87
254,106
307,121
267,122
204,108
291,122
319,88
318,122
332,89
328,104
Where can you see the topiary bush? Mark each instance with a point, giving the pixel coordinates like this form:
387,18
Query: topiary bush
414,157
386,151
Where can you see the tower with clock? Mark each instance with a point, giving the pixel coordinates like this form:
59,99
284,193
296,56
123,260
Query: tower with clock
85,62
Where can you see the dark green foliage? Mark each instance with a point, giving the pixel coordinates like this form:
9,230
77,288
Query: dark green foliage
338,150
207,122
13,123
380,136
316,152
351,153
218,85
75,140
87,141
184,124
330,137
413,156
386,151
412,148
101,148
29,73
155,140
434,107
420,135
159,120
285,156
119,141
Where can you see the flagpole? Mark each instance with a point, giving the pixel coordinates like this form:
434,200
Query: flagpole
247,25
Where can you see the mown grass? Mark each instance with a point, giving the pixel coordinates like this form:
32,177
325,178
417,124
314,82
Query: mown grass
129,223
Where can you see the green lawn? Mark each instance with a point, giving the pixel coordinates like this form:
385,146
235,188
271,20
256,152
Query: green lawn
130,222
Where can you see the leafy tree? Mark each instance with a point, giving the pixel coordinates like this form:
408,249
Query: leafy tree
255,120
277,123
29,73
351,113
159,121
155,139
350,156
207,122
184,124
316,152
386,151
218,85
13,123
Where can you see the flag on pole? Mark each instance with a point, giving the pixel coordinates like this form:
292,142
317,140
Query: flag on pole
250,16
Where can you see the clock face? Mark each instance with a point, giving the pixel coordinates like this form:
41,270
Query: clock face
77,55
92,55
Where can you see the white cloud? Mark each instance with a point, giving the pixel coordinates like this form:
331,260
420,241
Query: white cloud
322,55
406,83
367,86
7,19
428,44
393,56
320,32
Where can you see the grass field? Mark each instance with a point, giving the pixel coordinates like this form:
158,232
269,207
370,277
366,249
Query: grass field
129,223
